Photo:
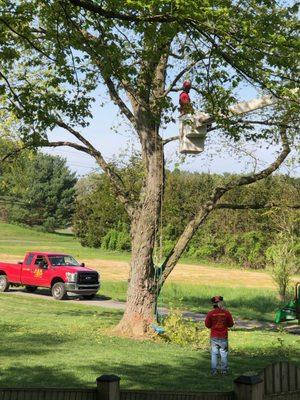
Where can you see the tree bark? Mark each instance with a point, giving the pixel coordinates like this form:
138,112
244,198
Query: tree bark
204,211
141,294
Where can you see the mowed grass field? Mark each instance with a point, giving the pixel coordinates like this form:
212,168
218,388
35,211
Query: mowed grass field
248,294
57,344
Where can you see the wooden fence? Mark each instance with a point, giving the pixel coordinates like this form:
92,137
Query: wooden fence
48,394
278,381
281,377
168,395
74,394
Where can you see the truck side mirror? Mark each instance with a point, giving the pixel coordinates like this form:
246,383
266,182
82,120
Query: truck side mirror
82,264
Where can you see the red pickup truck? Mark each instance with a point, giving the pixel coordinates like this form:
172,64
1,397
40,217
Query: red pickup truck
59,272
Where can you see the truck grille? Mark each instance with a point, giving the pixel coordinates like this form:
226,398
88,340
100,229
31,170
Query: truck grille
87,277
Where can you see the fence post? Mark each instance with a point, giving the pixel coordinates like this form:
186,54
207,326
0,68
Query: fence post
249,387
108,387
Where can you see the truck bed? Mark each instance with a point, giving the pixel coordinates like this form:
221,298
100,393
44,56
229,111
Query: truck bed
13,271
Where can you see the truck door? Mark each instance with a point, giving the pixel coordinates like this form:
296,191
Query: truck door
26,274
43,273
36,274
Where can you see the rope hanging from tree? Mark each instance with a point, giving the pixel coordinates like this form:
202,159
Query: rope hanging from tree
157,258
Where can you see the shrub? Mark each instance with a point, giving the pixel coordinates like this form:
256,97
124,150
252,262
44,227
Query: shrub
209,250
117,239
246,249
283,262
185,332
167,246
123,241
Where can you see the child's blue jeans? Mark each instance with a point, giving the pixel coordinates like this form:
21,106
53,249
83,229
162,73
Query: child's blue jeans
219,346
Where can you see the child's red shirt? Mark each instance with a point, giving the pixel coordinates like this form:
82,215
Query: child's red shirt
219,320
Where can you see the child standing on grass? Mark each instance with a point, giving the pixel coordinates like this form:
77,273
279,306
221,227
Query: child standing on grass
218,321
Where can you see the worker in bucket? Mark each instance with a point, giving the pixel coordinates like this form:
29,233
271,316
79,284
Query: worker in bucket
184,99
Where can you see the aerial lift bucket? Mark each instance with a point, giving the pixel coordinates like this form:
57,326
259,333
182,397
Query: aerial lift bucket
192,133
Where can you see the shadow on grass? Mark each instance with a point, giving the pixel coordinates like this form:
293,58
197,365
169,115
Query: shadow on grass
190,373
113,315
67,234
20,376
47,293
102,297
264,328
176,373
16,342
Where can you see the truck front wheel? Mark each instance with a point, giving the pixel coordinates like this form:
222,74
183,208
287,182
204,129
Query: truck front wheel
31,289
4,284
59,291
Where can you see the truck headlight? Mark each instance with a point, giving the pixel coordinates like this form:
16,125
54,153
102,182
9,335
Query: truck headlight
71,276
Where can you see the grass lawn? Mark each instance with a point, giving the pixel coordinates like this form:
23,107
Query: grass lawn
55,344
248,294
16,240
245,303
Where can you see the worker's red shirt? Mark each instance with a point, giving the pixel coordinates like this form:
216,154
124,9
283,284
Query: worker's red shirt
219,321
184,98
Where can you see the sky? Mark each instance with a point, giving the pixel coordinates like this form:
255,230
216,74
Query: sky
113,136
218,156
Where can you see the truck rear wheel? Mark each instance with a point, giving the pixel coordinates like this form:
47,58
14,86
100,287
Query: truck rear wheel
31,289
59,291
4,284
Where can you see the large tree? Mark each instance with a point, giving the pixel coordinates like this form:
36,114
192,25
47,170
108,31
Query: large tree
54,55
36,189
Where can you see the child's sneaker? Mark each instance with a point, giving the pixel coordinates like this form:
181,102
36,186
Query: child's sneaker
224,372
214,372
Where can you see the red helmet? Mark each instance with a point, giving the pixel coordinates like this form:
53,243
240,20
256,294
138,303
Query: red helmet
187,85
216,299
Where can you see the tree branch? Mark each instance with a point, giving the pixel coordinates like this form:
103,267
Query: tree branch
15,96
118,101
205,210
88,38
180,75
115,180
232,206
30,42
15,152
170,139
64,143
95,8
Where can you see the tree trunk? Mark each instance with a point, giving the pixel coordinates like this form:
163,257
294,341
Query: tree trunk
141,294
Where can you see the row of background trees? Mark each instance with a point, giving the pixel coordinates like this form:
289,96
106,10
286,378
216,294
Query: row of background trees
36,189
240,236
39,190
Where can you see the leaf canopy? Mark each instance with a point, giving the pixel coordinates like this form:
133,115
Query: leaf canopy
55,54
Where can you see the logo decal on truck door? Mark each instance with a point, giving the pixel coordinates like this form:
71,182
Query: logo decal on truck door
38,273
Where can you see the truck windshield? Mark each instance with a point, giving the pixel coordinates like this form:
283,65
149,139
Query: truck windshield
63,260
